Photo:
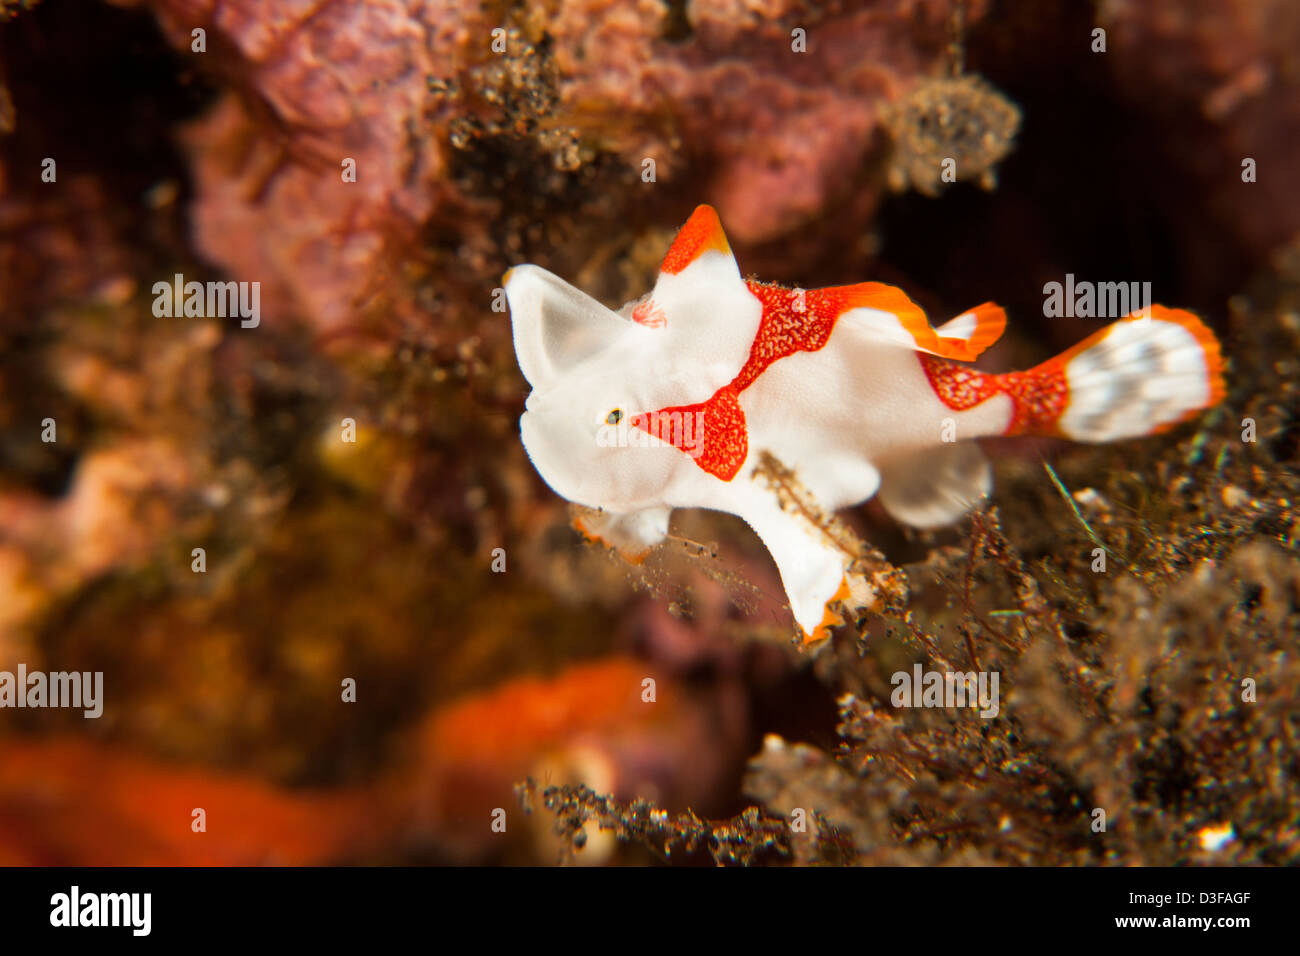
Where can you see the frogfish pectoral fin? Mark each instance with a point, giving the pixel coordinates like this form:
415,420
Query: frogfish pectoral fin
813,571
935,486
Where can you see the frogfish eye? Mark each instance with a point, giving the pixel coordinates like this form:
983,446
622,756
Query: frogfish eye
614,417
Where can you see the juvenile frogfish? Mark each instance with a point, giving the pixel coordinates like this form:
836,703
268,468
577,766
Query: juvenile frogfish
671,401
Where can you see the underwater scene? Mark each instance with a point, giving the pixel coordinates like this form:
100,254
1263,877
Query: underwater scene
649,433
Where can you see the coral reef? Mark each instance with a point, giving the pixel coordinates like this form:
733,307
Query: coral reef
441,117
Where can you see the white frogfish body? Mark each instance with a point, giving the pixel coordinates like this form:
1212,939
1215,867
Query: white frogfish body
671,402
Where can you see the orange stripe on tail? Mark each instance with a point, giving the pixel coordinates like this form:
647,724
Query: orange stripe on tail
1138,376
1038,396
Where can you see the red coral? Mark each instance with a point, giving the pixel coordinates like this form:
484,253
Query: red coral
784,132
313,85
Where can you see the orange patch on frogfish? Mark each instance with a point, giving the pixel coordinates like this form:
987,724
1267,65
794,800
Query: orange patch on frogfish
793,320
712,432
1038,396
702,233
